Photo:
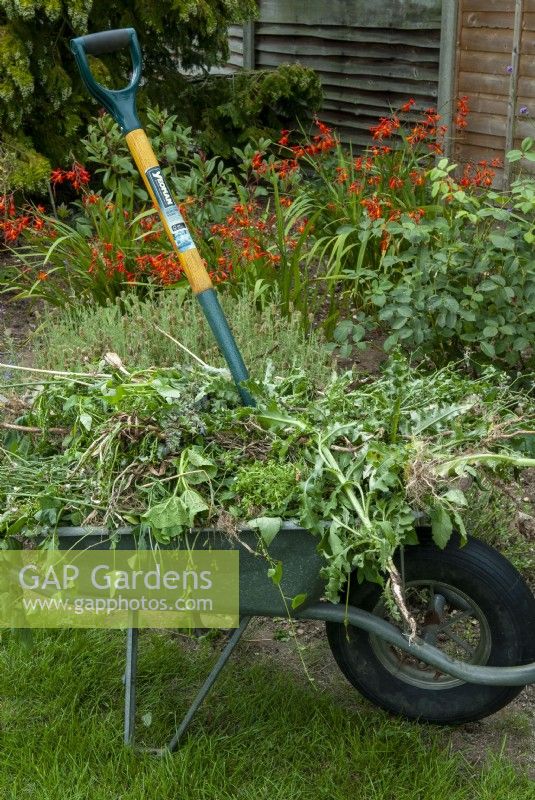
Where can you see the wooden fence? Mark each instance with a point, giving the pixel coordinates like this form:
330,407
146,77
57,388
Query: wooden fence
369,55
496,70
372,55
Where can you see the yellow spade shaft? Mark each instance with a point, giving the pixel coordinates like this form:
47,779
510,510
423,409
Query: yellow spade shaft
191,261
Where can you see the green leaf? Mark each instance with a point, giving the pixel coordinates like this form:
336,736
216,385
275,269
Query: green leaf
275,573
521,344
343,330
456,496
166,390
502,242
490,332
459,522
298,600
126,187
358,333
168,514
514,155
268,527
378,300
390,342
204,468
488,349
86,420
335,543
441,526
193,503
487,286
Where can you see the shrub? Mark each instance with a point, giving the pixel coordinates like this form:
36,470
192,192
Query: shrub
461,280
229,111
208,181
39,77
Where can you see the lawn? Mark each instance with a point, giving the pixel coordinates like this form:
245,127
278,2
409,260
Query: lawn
263,734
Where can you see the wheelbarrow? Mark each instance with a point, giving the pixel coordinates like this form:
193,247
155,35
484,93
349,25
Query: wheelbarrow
475,645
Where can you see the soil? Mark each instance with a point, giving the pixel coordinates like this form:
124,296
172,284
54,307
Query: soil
510,732
17,323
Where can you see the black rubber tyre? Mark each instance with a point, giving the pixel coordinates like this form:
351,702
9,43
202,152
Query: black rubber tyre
484,594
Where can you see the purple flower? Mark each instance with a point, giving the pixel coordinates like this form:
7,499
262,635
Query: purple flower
524,110
509,69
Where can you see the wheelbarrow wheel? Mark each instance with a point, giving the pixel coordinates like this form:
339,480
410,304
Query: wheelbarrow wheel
468,601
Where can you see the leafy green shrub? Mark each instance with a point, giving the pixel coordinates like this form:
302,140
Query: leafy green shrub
463,280
232,111
207,181
77,336
41,92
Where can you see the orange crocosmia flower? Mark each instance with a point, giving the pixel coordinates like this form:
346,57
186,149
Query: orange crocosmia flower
57,176
417,215
408,105
385,128
322,127
284,138
418,134
462,105
395,183
372,207
417,178
462,112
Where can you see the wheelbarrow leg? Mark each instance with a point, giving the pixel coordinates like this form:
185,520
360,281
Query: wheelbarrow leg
130,685
207,685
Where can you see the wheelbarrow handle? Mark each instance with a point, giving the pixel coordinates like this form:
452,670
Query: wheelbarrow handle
121,103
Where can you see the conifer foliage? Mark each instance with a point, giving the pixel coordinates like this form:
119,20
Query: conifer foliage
43,106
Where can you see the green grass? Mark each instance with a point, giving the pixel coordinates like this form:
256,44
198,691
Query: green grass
76,337
262,734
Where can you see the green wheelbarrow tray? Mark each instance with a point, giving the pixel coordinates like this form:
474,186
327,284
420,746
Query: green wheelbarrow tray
259,597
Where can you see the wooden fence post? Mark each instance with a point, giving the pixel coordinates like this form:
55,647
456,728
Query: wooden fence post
513,90
249,44
446,69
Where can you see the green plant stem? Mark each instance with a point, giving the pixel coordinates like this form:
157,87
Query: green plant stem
484,458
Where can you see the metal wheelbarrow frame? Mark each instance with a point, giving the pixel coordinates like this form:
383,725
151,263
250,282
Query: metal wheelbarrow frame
259,597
